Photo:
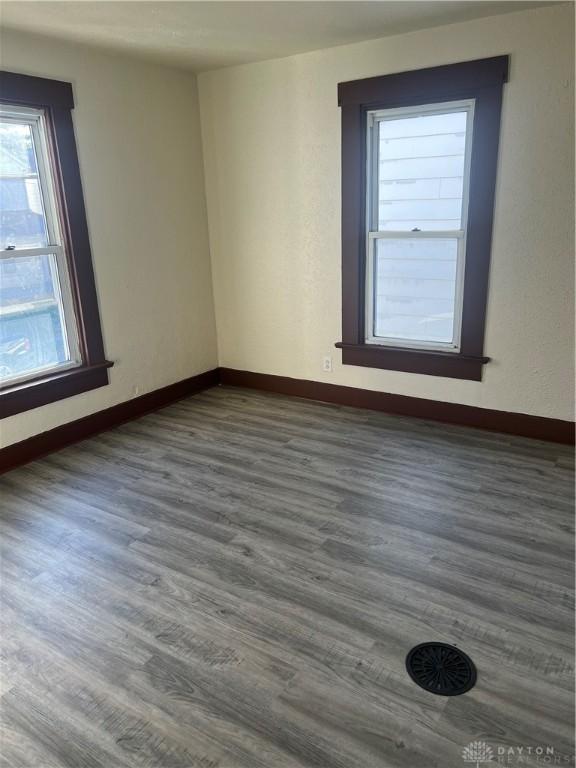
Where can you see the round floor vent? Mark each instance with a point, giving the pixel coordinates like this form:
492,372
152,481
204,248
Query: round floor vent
440,668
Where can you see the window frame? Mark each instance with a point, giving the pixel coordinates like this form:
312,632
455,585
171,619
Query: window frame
480,82
54,99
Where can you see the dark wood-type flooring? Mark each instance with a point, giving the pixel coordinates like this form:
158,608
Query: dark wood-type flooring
235,581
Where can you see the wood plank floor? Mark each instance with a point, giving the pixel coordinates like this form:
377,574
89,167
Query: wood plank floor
235,581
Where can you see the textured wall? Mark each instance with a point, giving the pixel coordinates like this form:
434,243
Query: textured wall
138,134
271,134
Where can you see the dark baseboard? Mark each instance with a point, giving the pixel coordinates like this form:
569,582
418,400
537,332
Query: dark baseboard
537,427
46,442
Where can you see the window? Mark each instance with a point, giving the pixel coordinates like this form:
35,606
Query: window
417,193
50,338
38,330
419,153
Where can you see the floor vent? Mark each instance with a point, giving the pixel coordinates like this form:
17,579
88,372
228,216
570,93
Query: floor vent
440,668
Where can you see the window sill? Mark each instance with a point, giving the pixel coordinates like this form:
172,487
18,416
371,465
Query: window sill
48,389
451,365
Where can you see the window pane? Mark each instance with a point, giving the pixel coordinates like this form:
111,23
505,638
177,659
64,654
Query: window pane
22,219
421,172
415,286
32,335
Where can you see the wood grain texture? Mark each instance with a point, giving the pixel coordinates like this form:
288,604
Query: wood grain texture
73,431
235,581
507,422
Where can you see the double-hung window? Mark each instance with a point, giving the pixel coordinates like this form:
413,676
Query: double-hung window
419,174
419,153
50,337
38,327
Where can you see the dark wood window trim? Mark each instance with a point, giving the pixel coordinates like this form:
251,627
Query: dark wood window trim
483,81
56,98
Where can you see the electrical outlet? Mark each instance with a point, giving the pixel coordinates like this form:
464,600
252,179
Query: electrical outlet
327,364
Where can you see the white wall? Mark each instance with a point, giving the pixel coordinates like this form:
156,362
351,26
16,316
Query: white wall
271,134
138,134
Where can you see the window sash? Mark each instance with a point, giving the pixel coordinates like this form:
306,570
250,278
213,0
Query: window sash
36,120
372,219
396,341
59,266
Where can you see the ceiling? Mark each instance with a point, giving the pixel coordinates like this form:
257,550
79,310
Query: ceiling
207,35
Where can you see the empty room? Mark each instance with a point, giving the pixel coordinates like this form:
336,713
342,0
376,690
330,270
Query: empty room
286,384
